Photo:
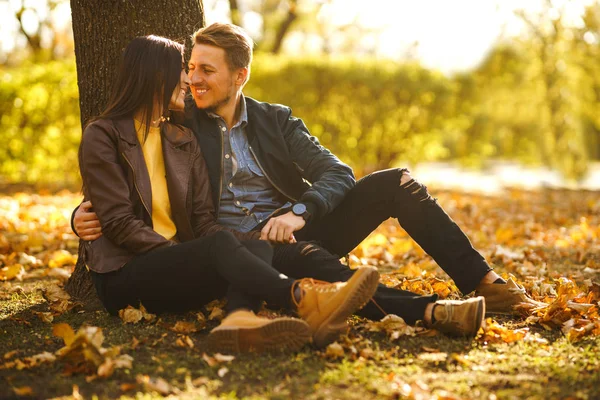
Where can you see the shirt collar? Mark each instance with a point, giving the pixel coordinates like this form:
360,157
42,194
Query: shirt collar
243,113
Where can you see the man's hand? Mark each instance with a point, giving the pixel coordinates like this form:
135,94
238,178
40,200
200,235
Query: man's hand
86,222
281,229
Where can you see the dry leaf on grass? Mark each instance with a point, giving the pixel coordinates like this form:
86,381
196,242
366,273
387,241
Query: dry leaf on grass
184,327
133,315
58,300
184,341
83,351
334,350
23,391
11,272
47,317
158,385
394,326
217,358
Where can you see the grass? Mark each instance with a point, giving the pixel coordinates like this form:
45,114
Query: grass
467,369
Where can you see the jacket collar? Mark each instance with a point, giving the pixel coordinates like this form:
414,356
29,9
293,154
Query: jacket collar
173,134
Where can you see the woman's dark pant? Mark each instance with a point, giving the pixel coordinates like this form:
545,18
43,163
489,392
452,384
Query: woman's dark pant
189,275
374,199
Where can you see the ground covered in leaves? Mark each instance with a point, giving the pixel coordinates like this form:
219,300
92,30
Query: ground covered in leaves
548,241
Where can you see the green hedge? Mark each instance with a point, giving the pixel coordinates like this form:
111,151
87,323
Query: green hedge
40,125
374,114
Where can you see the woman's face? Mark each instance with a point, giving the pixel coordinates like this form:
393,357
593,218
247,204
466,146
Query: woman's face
178,96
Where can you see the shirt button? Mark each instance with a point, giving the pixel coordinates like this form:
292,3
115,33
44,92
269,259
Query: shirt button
223,128
230,184
227,156
237,203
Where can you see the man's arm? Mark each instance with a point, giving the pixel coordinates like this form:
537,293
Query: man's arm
85,222
330,178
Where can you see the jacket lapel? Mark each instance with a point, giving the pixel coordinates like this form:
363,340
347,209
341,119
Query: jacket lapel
135,158
178,164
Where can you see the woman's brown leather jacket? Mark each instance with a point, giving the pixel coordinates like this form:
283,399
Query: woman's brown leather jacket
116,180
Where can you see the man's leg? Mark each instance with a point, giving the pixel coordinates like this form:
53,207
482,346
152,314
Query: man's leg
308,260
393,193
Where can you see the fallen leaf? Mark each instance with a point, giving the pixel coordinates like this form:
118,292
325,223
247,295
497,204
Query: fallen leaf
222,371
334,350
23,391
184,327
158,385
65,332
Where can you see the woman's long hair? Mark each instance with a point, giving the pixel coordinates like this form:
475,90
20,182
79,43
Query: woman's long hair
150,69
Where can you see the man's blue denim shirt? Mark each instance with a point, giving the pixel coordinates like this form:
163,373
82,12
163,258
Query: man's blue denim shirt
247,196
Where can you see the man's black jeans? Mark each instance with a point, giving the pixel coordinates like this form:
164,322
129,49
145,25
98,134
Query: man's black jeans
189,275
374,199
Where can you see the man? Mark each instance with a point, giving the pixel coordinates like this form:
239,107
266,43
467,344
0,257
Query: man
268,173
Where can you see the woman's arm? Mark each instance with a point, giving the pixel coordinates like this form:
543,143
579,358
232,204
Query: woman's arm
105,184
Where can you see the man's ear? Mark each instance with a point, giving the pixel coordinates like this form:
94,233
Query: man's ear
242,76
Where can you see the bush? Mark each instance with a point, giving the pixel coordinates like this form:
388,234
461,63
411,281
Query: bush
40,124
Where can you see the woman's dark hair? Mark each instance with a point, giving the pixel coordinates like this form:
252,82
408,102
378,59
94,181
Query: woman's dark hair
150,68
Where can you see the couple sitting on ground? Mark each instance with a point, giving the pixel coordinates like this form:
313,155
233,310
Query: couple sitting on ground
240,201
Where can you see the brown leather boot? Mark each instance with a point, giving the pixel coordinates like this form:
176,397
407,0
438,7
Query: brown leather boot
326,306
458,317
243,331
502,298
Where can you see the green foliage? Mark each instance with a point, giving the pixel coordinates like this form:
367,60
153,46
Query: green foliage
40,125
536,100
371,114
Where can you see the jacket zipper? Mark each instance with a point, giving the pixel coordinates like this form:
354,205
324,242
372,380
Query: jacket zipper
135,184
268,178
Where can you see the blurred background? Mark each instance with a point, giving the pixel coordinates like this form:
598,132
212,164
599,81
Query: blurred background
471,93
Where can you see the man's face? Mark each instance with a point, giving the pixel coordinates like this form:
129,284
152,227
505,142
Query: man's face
212,83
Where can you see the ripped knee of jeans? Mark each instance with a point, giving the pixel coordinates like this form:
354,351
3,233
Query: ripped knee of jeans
416,189
309,248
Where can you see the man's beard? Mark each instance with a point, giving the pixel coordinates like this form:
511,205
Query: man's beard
214,107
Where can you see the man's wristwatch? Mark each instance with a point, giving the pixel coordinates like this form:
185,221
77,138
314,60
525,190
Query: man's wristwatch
300,210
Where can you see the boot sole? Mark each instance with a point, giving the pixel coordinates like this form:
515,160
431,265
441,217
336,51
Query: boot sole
282,334
335,324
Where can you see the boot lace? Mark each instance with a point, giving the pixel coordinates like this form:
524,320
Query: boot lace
315,285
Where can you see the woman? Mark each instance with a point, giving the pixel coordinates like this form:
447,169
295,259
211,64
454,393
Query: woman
161,246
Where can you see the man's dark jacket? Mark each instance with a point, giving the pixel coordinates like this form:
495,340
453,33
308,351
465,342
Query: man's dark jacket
294,162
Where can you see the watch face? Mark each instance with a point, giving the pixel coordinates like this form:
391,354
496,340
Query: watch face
299,209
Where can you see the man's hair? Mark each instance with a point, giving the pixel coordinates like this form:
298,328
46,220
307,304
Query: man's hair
231,38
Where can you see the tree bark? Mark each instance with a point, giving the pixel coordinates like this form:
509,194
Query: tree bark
102,29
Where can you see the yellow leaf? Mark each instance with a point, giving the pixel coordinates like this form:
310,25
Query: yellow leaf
65,332
60,258
12,272
23,391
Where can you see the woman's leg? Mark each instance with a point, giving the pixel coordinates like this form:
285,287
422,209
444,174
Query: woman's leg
190,274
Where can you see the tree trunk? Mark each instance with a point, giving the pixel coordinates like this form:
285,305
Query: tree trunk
102,29
285,26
